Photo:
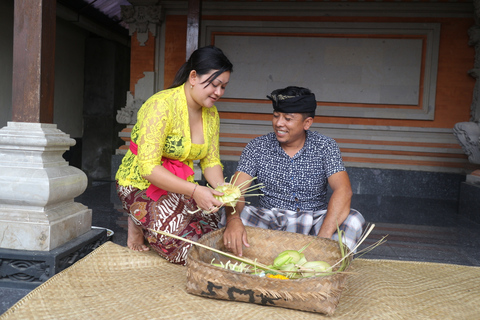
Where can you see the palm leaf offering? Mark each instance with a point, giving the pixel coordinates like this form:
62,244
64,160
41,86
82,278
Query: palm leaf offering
232,193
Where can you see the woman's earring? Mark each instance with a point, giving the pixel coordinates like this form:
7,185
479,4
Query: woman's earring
191,86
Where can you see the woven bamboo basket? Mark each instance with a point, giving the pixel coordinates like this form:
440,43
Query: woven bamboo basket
316,294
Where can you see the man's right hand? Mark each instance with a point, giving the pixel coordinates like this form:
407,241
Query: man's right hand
235,235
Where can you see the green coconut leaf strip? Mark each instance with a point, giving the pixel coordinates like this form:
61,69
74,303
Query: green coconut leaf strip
362,238
344,264
305,247
371,247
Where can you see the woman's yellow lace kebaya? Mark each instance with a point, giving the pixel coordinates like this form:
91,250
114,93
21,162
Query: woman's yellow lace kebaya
162,130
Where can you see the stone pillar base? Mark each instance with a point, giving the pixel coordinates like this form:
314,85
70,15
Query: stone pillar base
45,229
37,188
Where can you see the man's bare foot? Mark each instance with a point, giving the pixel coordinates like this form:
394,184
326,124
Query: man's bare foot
135,239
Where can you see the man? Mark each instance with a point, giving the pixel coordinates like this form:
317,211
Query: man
295,165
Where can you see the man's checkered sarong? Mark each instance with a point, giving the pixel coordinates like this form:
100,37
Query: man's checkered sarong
304,222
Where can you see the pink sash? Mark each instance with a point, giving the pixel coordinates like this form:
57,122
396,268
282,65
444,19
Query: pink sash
176,167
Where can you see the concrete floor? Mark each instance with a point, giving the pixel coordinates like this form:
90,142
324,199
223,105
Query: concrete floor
416,229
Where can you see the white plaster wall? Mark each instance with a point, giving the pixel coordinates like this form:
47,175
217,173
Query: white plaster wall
69,68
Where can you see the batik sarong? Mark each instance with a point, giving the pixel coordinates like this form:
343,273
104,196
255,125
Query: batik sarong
170,214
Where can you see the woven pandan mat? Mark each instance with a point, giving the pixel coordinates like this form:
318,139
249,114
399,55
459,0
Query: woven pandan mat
114,282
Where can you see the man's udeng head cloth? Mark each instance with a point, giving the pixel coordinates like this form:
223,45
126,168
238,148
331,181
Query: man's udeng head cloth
286,101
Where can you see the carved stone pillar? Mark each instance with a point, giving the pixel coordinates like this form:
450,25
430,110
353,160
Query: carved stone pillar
468,133
474,34
142,17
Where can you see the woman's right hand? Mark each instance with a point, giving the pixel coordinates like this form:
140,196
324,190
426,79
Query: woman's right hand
205,200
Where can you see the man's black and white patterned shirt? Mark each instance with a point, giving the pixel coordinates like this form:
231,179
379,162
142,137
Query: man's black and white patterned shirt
298,183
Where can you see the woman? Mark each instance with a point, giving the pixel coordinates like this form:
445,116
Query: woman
155,180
